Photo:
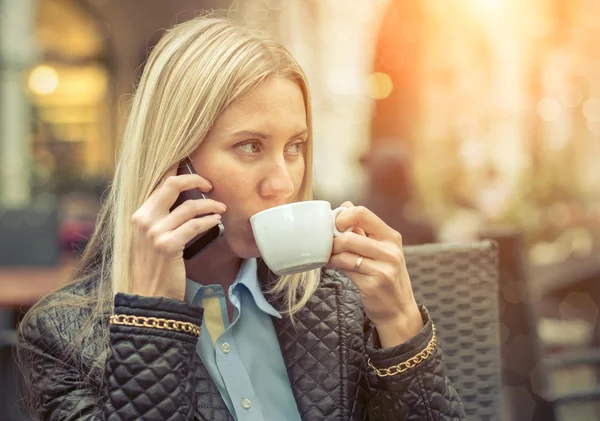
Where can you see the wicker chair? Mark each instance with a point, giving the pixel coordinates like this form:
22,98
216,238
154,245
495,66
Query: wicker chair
459,285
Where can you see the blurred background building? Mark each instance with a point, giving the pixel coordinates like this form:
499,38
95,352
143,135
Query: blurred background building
450,118
494,102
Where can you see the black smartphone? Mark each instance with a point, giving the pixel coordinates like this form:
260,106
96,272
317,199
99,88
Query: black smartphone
202,241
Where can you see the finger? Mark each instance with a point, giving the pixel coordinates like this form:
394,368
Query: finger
188,210
175,241
365,246
347,260
166,195
361,217
359,231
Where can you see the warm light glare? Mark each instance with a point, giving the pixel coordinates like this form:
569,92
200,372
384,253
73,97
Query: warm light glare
380,85
472,154
549,109
591,109
43,80
572,97
594,127
487,6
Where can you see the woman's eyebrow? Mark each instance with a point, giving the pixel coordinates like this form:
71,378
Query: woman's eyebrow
302,132
250,133
261,135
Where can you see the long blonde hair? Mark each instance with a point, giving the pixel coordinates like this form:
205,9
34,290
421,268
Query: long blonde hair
194,73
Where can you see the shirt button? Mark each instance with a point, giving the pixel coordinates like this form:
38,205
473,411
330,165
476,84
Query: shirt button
246,404
208,291
225,349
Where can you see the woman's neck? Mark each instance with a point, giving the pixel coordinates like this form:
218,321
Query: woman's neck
216,265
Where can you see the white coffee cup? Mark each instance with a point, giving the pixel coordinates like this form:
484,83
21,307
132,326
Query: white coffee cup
296,237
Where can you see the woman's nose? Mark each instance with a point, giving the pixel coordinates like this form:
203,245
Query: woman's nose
278,183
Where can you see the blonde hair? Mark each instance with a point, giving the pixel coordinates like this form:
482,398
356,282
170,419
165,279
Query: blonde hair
194,73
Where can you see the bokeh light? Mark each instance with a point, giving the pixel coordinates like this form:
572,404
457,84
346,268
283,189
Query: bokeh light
549,109
579,305
380,85
572,97
43,80
591,109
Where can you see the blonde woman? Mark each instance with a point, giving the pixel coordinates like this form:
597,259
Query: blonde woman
141,333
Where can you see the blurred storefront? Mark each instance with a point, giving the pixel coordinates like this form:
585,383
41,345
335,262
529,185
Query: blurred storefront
71,93
500,122
68,68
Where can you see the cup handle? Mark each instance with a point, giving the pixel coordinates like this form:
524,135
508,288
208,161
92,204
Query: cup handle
335,213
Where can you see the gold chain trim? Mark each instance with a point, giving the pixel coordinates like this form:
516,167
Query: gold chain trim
410,363
154,322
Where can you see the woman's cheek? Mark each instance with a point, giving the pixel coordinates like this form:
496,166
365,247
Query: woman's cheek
298,172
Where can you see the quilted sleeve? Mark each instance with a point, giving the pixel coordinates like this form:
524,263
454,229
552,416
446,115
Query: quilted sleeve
421,393
146,376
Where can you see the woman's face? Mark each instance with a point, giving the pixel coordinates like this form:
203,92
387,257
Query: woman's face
254,157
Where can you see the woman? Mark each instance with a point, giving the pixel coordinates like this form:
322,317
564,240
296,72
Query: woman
143,334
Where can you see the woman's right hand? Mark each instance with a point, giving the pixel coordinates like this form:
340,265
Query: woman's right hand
159,236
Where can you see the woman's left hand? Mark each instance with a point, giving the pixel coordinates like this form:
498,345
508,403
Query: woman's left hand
381,277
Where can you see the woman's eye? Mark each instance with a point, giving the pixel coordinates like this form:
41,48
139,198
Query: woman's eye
249,148
296,148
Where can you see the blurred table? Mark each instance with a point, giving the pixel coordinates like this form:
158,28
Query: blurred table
22,286
552,284
562,277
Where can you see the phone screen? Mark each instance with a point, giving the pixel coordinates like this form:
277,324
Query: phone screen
202,241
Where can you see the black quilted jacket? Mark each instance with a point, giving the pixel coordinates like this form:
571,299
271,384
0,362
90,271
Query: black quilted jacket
153,374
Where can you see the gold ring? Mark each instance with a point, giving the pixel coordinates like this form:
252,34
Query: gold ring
357,264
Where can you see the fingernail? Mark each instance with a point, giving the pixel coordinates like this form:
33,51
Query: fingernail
217,216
